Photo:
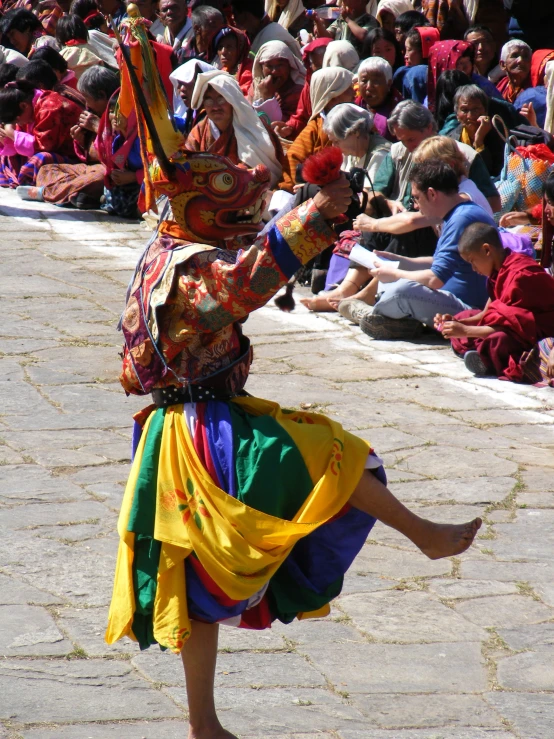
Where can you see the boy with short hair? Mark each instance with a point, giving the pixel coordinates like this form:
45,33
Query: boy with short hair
518,314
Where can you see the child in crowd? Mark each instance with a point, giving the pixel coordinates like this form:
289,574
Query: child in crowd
35,129
72,36
518,314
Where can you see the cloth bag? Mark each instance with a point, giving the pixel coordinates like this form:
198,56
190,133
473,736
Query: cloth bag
525,170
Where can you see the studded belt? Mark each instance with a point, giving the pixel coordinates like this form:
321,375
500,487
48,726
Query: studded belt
173,394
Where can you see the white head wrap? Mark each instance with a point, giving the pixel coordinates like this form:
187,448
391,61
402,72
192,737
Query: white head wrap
327,84
279,50
185,74
341,54
253,140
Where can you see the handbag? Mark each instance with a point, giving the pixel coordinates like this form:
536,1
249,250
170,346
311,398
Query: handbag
525,171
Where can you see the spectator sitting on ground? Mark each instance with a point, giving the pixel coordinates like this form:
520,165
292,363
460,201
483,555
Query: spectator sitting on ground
420,288
206,24
411,80
80,184
25,32
352,25
230,48
43,77
313,56
436,148
471,105
72,35
241,136
328,87
178,32
515,61
183,80
34,130
383,43
52,57
486,57
278,81
405,22
389,10
376,91
95,22
250,16
519,312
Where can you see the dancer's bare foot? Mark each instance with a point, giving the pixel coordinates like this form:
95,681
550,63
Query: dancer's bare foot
213,732
318,304
438,540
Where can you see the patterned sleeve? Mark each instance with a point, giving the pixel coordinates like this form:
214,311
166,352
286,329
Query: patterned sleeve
223,287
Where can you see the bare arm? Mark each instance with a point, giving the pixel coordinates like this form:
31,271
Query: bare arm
400,223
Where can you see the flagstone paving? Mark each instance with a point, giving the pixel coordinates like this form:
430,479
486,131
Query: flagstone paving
456,649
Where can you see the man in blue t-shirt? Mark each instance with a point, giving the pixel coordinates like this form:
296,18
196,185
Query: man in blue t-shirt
421,287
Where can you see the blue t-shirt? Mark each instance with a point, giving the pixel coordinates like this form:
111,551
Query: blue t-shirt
457,274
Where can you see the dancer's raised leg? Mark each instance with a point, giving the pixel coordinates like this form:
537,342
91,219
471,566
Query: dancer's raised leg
434,539
199,659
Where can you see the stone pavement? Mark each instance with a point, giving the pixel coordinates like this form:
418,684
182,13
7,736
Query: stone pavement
454,649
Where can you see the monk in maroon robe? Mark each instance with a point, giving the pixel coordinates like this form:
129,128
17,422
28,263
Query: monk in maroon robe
518,314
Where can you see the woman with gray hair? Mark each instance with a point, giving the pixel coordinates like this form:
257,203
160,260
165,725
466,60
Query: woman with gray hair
515,60
351,129
377,93
471,105
412,123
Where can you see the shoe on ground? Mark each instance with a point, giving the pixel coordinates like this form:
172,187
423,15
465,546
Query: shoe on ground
354,309
475,364
383,327
82,201
26,192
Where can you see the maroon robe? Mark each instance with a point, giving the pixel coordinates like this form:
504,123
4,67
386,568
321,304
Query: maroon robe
521,308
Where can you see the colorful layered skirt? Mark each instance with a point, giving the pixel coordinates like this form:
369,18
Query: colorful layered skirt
237,513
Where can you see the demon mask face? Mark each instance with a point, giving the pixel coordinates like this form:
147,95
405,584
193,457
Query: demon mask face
212,199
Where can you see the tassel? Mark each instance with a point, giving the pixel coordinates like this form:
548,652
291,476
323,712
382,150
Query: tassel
286,302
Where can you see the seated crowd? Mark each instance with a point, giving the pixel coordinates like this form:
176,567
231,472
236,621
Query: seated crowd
426,101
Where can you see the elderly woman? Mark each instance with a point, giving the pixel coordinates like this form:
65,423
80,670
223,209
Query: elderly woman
475,128
515,60
351,129
376,91
328,87
313,55
230,49
278,81
231,128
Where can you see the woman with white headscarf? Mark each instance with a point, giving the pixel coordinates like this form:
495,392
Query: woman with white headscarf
231,128
341,54
183,80
328,87
278,81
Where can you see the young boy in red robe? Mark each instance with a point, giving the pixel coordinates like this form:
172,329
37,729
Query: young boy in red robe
518,314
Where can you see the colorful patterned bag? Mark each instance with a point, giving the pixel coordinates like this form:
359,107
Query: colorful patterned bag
525,171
